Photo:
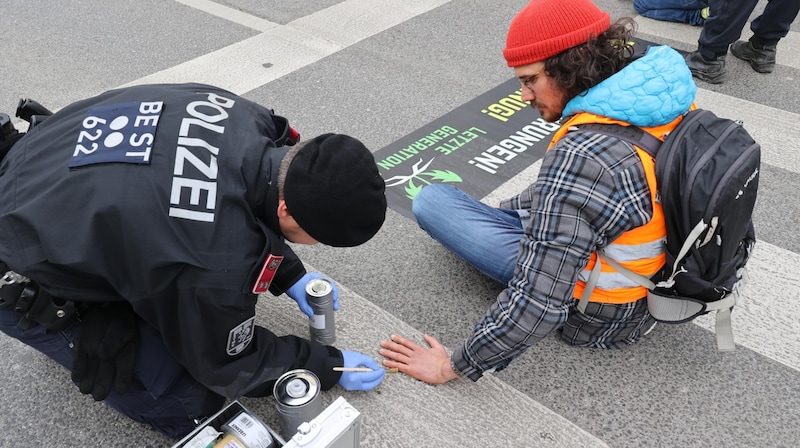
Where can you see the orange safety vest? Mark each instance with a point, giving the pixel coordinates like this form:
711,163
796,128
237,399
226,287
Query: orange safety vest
642,250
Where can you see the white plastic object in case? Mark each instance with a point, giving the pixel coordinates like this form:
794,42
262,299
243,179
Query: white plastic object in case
338,426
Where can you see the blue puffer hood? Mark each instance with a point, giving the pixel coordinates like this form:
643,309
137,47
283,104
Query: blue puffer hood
650,91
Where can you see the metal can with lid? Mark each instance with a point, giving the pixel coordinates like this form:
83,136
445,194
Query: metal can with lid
321,326
297,398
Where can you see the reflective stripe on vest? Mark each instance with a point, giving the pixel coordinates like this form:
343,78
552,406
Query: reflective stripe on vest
642,249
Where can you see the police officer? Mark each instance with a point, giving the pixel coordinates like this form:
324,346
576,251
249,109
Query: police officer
158,213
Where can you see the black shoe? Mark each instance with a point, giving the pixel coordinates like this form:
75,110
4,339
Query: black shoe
762,61
709,70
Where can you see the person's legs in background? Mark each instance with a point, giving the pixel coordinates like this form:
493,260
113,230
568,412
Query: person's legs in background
723,26
683,11
768,29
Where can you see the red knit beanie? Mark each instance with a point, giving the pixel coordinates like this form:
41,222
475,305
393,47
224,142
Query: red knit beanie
545,28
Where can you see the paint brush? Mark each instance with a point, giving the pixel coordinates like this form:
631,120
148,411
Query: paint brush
361,369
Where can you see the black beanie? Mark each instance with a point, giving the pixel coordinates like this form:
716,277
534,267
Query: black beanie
334,192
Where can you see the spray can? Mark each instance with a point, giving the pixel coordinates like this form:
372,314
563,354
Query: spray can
297,398
321,325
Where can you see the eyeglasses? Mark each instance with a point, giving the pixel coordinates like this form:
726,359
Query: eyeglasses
529,81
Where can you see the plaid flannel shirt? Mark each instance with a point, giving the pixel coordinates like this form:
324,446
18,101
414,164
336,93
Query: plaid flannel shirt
591,188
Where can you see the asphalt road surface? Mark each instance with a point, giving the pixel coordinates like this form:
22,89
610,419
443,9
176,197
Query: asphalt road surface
380,70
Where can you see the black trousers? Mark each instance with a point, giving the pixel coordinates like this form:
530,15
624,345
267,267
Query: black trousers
728,17
164,395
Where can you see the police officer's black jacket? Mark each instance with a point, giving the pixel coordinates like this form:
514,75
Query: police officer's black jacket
164,196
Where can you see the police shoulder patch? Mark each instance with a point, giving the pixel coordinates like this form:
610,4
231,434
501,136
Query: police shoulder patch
264,279
240,336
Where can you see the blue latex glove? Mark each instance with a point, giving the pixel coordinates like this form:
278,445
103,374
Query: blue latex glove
297,292
361,380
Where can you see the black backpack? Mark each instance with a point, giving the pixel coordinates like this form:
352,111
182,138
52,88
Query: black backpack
707,173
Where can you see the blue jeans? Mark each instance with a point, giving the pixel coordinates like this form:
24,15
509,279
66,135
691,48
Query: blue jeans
485,237
683,11
164,395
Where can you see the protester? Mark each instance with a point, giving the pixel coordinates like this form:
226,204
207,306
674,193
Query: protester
693,12
138,227
593,192
724,25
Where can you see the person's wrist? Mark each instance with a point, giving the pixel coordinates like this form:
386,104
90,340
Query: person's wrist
450,372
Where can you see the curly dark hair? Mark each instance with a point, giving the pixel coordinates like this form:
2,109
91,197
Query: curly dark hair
579,68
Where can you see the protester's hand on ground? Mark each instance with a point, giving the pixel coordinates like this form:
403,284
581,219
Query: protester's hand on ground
297,292
429,364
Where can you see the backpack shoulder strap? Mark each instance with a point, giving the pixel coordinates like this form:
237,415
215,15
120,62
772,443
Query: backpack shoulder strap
591,283
638,137
631,134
